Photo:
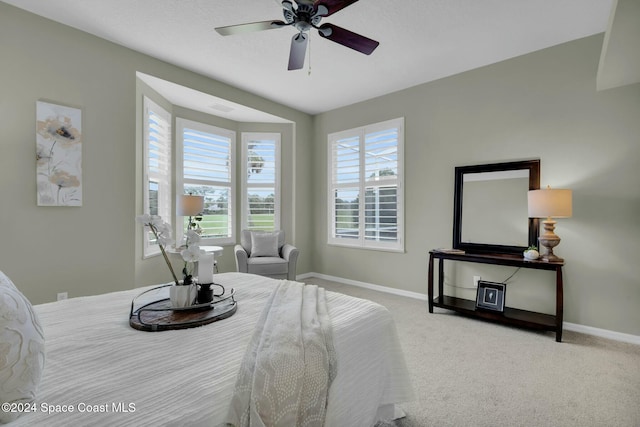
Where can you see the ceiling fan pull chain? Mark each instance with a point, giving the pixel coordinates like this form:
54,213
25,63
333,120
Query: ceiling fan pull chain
309,72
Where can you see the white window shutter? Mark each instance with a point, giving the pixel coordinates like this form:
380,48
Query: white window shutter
365,186
157,168
261,181
206,165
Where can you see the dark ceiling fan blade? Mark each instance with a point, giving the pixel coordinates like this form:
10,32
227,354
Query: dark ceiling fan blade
348,38
333,6
249,28
298,51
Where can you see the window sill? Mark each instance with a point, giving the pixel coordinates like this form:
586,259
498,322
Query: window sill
368,248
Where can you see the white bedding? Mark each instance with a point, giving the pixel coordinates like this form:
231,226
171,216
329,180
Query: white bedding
290,362
96,361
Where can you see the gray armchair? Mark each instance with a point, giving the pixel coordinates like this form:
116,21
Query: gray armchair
282,266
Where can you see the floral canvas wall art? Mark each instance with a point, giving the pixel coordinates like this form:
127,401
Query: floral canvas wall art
58,155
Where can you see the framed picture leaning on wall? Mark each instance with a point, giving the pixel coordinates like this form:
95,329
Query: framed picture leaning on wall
490,296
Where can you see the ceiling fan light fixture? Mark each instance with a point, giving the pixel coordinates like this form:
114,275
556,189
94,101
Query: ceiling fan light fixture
289,16
287,5
325,31
321,11
298,51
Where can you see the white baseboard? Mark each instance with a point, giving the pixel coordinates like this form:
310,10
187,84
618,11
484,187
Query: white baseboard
589,330
371,286
604,333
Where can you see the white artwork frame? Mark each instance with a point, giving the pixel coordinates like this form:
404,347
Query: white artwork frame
58,155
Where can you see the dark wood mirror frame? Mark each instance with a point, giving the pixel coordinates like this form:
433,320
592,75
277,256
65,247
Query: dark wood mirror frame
534,184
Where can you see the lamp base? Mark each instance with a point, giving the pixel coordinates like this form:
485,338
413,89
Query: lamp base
549,240
550,257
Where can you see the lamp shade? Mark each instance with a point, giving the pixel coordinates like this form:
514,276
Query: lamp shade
190,205
550,203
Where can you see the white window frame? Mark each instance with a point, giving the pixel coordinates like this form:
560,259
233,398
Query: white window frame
362,183
181,124
247,137
163,178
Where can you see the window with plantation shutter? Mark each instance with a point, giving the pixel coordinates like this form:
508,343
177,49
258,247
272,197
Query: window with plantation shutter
206,163
365,186
345,153
157,169
260,181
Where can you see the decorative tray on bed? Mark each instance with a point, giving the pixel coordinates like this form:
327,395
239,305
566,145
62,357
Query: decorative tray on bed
152,311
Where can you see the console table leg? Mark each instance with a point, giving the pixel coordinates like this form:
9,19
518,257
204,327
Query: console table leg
430,284
441,280
559,304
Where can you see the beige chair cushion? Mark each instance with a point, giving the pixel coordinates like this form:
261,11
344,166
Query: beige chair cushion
267,266
264,245
245,239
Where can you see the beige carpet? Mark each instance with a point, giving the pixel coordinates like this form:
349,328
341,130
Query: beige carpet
474,373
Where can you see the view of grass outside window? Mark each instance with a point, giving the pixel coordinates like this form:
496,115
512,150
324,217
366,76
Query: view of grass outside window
215,218
347,211
261,209
367,161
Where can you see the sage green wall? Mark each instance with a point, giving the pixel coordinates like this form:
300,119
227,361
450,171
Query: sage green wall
542,105
93,249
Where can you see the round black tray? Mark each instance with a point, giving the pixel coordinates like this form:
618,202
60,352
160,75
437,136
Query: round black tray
159,315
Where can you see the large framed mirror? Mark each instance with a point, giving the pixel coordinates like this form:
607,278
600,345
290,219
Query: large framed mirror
490,212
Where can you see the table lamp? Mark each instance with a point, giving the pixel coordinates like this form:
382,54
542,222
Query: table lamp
550,203
190,206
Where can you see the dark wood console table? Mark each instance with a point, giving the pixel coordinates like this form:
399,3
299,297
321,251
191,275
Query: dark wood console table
510,316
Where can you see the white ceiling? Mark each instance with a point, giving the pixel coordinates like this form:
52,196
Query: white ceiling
420,41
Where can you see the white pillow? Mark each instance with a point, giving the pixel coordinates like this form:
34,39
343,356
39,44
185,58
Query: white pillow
264,244
21,348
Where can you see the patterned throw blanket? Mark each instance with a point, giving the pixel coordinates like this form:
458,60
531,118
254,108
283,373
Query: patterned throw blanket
289,364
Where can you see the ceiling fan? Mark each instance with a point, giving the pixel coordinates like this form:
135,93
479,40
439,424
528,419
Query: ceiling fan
304,15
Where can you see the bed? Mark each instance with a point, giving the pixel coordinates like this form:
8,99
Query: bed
108,373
